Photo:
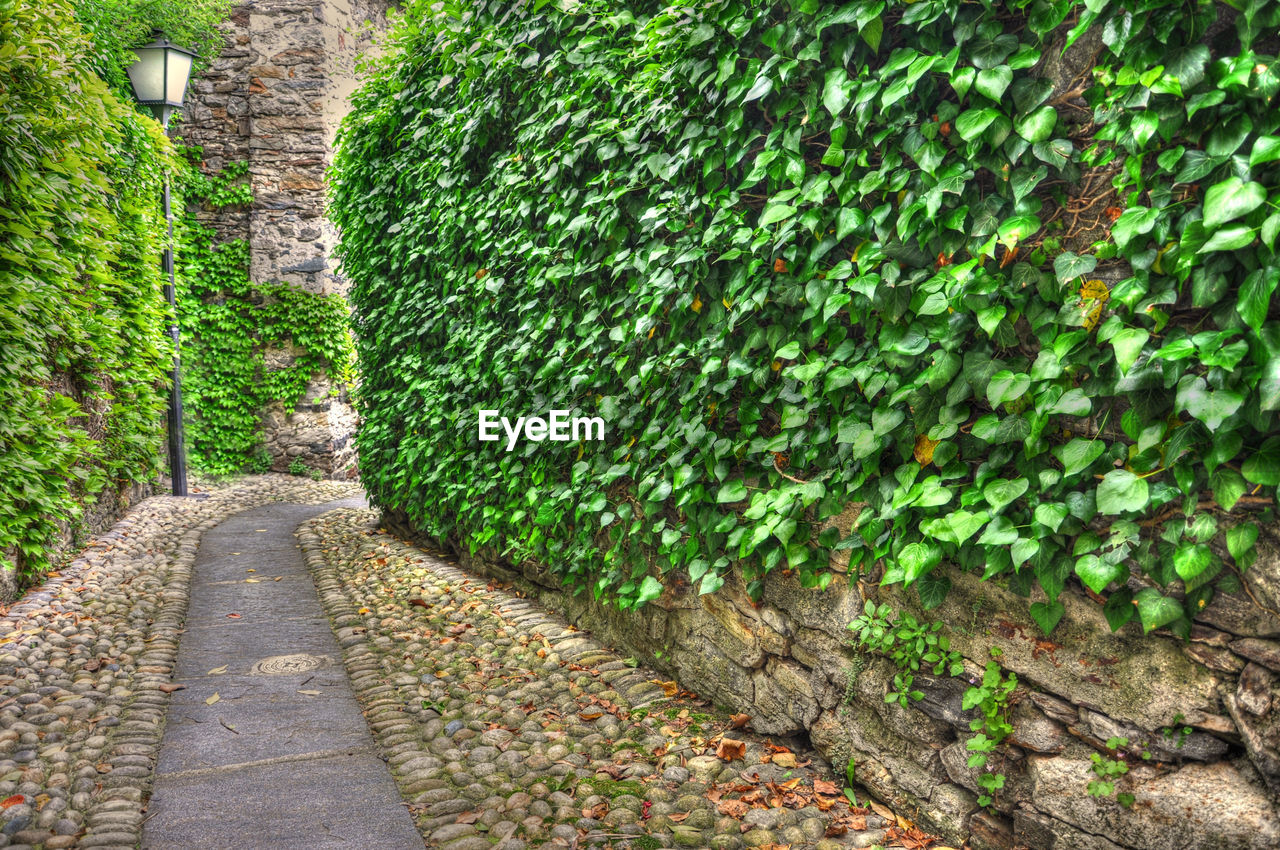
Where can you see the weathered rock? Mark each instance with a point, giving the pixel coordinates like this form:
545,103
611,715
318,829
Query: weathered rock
784,699
1197,807
1265,652
1036,731
1083,658
1166,745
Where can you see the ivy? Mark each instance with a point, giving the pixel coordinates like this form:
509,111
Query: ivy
803,255
82,343
228,325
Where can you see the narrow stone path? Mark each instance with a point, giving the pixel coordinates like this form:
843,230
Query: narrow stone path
265,746
508,728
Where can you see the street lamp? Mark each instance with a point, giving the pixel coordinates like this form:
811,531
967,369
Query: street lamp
159,80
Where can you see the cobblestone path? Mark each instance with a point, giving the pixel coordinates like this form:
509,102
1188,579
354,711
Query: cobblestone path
505,727
502,726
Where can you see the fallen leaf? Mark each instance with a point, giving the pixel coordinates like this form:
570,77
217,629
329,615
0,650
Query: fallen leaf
468,817
732,808
259,530
211,700
277,578
590,715
786,760
728,749
227,726
822,786
252,580
883,811
250,571
310,693
668,688
217,671
170,687
677,817
15,800
739,721
363,610
233,616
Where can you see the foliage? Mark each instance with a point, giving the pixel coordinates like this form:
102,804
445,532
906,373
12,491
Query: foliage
117,26
991,697
802,255
228,324
81,315
1108,770
908,644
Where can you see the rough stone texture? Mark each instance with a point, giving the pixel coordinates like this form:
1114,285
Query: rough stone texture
787,662
274,98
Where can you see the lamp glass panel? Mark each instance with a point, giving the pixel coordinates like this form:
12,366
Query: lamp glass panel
147,74
178,72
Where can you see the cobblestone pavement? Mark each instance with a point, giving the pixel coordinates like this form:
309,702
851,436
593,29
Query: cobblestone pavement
85,666
505,727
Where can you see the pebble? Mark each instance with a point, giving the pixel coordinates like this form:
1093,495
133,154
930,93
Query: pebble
519,701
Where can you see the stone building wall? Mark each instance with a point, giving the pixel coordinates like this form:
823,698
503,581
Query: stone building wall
274,98
788,662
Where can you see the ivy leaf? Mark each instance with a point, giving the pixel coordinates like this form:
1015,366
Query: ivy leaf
1209,406
1255,295
1078,455
1128,344
734,491
1039,125
1025,548
956,527
916,559
972,122
1122,492
1069,266
993,81
1240,541
650,589
1228,239
1002,491
762,86
1231,199
1134,221
932,590
1190,560
790,351
1047,614
835,95
1119,608
1155,609
1263,466
1228,486
1265,149
775,213
1051,515
1001,532
1097,573
1006,386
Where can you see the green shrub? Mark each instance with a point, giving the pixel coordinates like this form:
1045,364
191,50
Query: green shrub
81,317
801,255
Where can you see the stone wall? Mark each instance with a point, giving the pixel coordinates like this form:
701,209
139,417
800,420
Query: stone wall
274,98
788,662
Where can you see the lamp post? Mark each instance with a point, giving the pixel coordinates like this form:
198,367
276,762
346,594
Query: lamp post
159,81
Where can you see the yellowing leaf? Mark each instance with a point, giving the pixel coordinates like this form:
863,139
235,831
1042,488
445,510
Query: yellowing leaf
923,451
696,306
211,700
217,671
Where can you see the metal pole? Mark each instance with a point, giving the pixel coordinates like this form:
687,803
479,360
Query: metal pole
177,446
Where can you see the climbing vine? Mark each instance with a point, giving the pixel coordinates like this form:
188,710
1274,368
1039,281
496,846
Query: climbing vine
229,323
1000,273
82,346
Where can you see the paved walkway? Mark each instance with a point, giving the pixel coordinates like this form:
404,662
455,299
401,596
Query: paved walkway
203,677
266,745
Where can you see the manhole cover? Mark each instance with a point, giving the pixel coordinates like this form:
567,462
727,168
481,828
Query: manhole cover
283,665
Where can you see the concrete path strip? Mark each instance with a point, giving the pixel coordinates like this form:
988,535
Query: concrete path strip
266,745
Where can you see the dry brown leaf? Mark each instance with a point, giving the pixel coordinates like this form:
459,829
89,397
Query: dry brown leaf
421,603
233,616
786,760
170,687
590,715
822,786
468,817
883,811
739,721
732,808
728,749
15,800
677,817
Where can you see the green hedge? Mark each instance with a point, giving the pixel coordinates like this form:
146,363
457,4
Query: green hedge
802,255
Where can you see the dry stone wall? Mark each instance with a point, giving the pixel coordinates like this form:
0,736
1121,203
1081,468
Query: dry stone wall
789,663
274,98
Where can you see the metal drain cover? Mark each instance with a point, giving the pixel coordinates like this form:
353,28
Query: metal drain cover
284,665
